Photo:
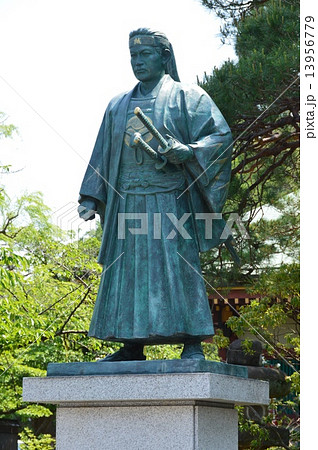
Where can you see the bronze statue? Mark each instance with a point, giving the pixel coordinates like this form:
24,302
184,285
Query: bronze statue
161,161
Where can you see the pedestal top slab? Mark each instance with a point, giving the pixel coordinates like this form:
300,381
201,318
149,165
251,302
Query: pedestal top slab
145,367
147,389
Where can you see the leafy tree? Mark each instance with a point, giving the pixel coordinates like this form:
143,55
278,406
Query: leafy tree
259,96
48,287
231,12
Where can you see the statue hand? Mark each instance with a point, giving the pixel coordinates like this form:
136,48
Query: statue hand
179,153
87,209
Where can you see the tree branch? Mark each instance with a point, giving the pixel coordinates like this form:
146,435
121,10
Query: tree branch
60,331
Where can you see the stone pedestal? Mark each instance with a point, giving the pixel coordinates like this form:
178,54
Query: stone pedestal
157,411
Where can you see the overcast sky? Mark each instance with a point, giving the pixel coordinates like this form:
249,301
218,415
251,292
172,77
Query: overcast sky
61,63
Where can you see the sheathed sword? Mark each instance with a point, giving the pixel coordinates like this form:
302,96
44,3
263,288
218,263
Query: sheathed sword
150,127
165,145
137,141
162,161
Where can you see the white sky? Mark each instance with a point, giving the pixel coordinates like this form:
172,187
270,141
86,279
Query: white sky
64,60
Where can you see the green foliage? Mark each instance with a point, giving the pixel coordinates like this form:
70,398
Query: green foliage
47,291
274,320
259,432
258,94
154,352
219,342
278,307
233,12
273,239
269,28
33,442
8,262
12,374
5,129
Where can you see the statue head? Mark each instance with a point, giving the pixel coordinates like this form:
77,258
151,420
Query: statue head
157,41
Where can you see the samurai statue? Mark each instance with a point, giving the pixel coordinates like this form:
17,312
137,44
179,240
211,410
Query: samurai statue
161,164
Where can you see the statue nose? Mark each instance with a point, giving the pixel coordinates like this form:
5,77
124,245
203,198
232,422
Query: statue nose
139,60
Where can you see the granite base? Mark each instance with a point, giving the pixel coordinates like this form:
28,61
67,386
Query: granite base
188,411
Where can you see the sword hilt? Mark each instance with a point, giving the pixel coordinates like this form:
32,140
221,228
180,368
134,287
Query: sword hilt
139,142
150,127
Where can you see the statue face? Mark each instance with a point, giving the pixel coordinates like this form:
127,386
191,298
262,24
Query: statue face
146,62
